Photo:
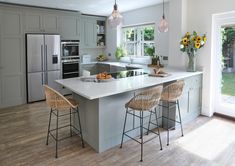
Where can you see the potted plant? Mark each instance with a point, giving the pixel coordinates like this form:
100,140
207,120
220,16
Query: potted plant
150,51
120,52
190,44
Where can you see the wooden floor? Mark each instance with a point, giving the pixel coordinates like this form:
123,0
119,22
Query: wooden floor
207,142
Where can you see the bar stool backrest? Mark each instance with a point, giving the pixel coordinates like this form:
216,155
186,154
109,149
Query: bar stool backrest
55,100
147,99
173,91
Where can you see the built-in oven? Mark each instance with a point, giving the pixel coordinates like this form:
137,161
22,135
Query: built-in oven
70,48
70,58
70,68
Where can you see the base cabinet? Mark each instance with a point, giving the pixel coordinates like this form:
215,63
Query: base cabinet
190,101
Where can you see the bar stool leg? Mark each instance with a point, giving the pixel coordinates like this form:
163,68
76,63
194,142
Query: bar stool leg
149,122
140,125
124,128
133,125
70,120
159,135
80,127
168,110
57,118
180,118
141,135
49,127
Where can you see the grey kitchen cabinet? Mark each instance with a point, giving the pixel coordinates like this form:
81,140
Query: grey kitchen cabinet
190,101
12,65
92,35
69,27
41,22
88,32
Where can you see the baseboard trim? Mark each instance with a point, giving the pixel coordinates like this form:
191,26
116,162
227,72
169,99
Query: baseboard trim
224,116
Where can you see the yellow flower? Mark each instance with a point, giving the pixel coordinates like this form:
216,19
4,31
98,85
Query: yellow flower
197,45
199,39
185,41
204,38
194,39
187,34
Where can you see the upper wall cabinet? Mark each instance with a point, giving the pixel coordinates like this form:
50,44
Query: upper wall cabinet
92,32
88,32
69,27
40,22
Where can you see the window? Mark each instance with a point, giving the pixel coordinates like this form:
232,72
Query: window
137,39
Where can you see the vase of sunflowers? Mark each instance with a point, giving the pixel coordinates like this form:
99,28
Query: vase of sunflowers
190,44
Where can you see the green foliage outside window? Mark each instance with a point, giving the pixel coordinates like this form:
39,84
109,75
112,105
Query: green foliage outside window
149,33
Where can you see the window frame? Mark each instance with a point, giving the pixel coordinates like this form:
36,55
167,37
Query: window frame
139,41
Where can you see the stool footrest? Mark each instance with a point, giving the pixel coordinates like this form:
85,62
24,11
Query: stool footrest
51,134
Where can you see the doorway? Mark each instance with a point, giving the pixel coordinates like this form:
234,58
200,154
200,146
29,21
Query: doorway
224,63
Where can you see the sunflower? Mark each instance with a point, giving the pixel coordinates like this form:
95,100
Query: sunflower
194,39
185,41
187,34
198,39
197,45
204,38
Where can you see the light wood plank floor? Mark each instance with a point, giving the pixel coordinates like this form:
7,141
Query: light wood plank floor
207,142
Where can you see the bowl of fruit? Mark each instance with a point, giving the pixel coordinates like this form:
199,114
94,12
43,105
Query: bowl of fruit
102,58
104,77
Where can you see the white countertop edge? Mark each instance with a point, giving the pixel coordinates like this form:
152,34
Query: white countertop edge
189,74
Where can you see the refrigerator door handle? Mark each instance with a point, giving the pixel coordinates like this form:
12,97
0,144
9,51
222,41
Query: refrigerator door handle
42,79
42,57
46,57
47,77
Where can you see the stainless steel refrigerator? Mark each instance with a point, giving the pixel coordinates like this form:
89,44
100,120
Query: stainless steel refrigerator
43,64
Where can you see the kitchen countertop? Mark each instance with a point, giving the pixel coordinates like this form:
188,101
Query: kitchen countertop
94,90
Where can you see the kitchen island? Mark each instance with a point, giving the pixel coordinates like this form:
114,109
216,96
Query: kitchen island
102,104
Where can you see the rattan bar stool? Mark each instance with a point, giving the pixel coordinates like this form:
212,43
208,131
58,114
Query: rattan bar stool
57,103
147,100
170,95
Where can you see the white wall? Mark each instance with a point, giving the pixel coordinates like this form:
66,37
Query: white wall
150,14
177,27
199,18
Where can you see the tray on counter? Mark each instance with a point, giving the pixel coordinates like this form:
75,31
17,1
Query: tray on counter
94,79
160,75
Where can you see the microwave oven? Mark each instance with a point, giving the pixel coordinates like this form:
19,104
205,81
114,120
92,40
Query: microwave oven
70,48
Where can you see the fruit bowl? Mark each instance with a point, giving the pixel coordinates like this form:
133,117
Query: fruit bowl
102,58
104,77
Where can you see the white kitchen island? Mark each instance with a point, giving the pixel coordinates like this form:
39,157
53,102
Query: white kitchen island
102,105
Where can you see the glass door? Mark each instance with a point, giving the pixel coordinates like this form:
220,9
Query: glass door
226,96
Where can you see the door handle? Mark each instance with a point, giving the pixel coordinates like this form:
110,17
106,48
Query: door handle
42,79
42,57
46,57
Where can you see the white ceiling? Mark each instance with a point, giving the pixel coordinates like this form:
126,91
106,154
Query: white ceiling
95,7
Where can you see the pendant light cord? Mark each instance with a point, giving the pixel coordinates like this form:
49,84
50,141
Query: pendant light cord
115,6
163,16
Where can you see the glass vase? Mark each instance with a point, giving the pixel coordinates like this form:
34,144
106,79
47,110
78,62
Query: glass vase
191,62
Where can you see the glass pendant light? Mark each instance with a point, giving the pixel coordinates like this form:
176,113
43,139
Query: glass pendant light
116,18
163,25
